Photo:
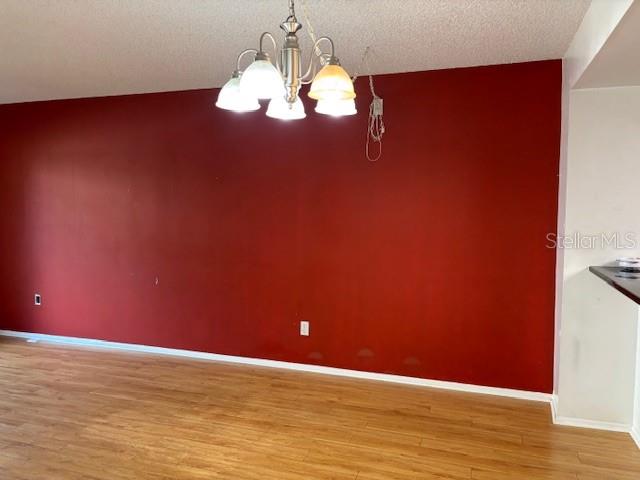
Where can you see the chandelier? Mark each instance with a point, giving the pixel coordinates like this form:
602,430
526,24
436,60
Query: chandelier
331,86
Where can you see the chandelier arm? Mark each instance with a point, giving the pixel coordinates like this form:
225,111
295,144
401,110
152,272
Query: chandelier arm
242,54
327,39
318,52
308,79
275,47
309,76
273,41
311,69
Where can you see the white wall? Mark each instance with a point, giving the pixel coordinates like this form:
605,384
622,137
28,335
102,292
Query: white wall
562,195
601,19
598,334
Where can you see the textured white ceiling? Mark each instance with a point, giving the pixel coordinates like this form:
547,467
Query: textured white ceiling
53,49
617,63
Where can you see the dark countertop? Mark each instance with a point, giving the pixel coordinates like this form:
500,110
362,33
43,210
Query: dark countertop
615,277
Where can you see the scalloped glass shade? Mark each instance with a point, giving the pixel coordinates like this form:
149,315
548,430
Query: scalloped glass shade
261,80
336,108
230,98
332,83
281,109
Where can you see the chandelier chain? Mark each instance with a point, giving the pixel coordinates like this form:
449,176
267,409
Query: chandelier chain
292,9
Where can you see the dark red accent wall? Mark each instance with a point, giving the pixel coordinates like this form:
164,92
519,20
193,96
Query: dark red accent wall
429,263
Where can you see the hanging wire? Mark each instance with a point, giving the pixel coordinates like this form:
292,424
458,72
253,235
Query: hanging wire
312,33
315,41
363,59
375,123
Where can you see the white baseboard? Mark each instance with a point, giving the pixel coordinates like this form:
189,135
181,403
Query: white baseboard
554,407
635,434
582,423
383,377
594,424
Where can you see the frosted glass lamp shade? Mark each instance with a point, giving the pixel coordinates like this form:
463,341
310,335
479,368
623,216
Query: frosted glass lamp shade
336,108
332,83
281,109
230,97
261,80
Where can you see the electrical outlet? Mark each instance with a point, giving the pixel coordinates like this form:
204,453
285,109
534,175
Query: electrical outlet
37,299
304,328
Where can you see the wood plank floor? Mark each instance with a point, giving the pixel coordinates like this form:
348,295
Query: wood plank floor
74,413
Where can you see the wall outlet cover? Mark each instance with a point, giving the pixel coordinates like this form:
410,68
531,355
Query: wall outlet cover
304,328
